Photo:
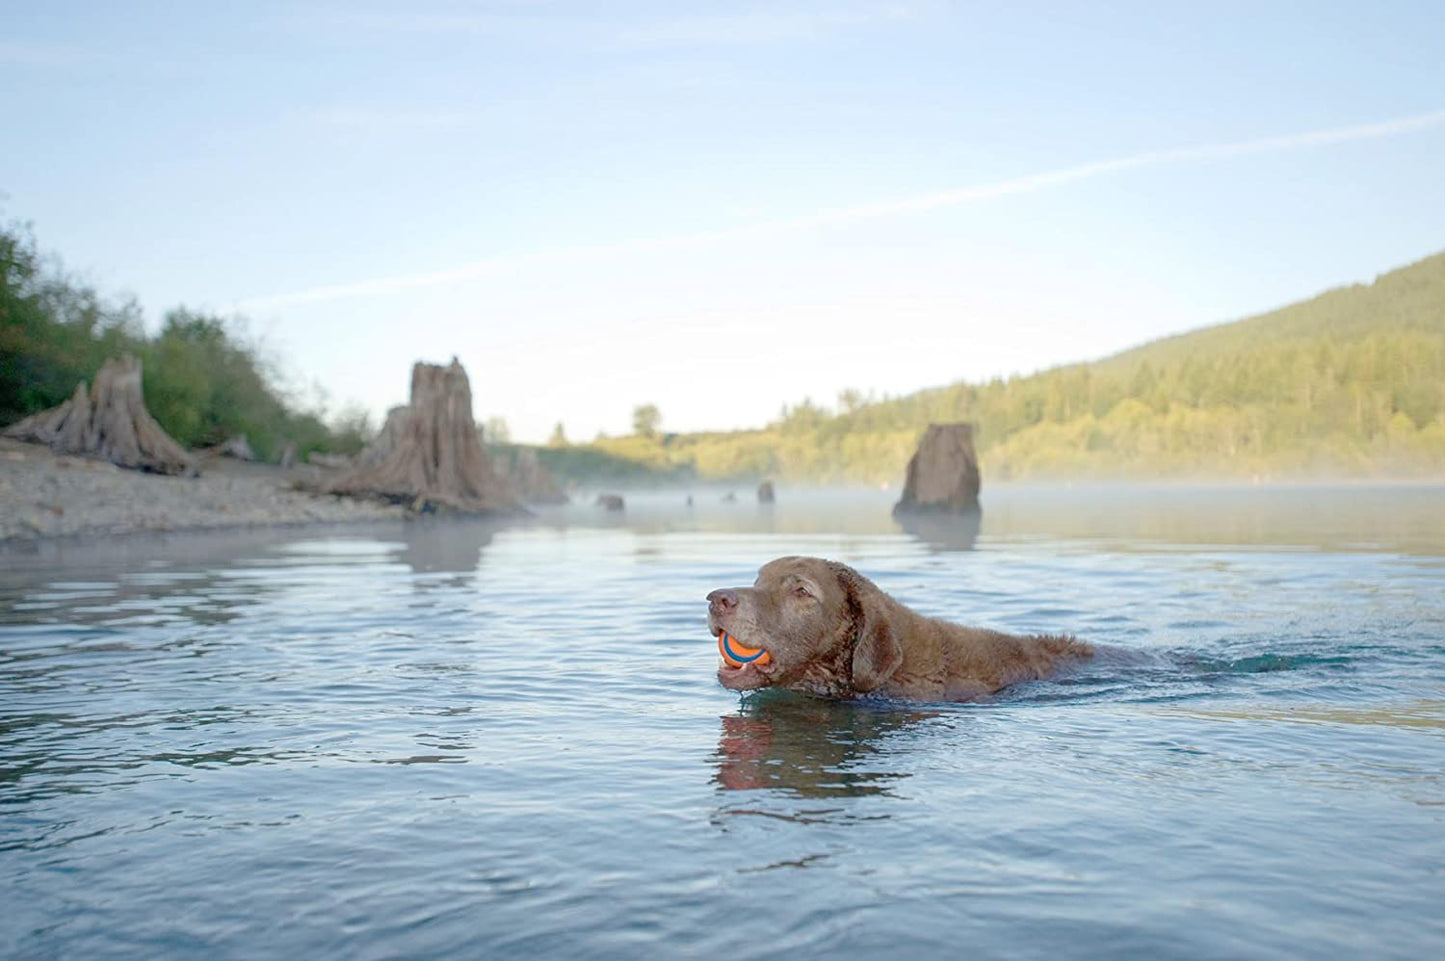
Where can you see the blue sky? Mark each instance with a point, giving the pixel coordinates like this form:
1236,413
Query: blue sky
718,208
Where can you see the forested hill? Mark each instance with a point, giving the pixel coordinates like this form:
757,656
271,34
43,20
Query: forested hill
1408,299
1349,383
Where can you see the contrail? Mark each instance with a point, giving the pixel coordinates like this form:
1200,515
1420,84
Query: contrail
842,215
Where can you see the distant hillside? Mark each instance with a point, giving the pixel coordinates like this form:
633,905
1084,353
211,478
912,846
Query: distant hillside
1349,383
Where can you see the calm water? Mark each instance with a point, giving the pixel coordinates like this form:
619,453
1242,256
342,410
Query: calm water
462,741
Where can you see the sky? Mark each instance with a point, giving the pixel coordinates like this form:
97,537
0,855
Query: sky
717,208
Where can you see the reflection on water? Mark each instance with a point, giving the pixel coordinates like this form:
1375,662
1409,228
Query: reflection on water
807,747
1417,713
1403,517
446,545
944,532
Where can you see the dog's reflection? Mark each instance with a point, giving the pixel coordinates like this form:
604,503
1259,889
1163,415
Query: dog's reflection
809,747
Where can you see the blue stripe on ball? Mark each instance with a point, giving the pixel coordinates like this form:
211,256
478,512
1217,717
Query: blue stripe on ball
741,659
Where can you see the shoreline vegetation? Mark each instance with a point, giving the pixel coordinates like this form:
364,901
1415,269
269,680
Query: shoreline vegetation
1347,386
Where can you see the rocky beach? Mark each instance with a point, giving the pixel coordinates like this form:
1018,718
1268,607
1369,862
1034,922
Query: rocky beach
45,495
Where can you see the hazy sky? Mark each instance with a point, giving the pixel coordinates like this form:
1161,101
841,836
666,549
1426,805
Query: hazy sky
718,208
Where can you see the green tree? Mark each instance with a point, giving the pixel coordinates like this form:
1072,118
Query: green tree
646,419
352,429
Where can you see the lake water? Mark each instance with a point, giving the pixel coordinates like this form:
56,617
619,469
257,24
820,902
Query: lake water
459,741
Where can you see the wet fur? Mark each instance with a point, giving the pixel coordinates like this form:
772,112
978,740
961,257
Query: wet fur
832,632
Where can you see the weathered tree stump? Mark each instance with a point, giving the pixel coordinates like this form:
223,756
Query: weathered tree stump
288,456
436,459
389,437
109,422
765,492
943,473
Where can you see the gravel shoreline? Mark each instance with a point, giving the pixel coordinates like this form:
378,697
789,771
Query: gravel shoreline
44,495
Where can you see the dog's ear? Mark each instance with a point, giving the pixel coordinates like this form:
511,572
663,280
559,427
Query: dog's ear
877,653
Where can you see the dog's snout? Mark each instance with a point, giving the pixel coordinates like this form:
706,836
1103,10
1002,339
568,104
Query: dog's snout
722,601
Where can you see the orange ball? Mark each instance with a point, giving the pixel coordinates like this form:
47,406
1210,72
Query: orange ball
737,655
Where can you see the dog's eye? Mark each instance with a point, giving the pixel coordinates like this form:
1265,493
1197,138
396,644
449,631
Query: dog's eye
801,591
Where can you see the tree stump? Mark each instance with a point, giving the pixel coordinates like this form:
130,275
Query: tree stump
109,422
765,492
943,474
387,439
436,459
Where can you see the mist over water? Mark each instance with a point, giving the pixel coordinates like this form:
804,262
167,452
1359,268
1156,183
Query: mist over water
461,739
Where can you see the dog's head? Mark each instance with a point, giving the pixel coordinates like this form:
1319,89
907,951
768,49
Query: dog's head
826,628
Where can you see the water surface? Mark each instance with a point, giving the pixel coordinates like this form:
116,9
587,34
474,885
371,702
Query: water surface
459,740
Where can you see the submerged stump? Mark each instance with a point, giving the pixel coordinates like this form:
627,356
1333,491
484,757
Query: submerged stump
434,458
109,422
943,473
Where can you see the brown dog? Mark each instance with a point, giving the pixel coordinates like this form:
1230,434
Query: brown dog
830,631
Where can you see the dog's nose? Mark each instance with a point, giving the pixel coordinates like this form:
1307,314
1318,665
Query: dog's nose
722,601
